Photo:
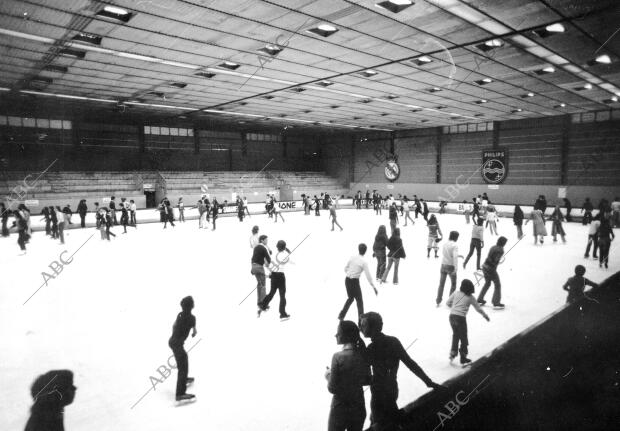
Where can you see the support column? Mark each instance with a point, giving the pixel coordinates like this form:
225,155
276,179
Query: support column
566,126
196,141
392,133
438,160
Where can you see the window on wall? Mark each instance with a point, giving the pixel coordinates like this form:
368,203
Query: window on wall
167,131
262,137
590,117
468,128
39,123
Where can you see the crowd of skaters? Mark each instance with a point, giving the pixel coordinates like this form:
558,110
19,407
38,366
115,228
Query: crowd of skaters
357,365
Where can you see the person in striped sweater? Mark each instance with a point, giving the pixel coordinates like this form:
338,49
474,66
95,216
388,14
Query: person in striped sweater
459,303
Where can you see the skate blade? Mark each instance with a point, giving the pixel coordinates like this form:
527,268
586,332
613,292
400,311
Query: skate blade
185,402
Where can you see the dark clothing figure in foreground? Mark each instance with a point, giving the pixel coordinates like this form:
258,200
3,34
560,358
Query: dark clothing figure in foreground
384,355
575,286
51,392
348,373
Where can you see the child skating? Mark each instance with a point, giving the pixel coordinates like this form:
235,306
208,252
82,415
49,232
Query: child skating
575,286
184,322
459,303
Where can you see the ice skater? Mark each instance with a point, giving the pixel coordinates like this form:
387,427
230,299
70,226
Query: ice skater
260,258
384,354
332,215
424,209
587,209
317,206
605,237
181,208
395,254
354,268
434,235
215,209
184,322
407,209
477,243
459,303
593,237
278,279
538,225
379,250
489,270
254,237
575,286
492,220
393,215
466,211
556,228
449,265
277,212
22,228
517,219
51,392
348,374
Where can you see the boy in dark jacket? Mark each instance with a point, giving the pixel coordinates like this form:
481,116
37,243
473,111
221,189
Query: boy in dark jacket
184,322
576,285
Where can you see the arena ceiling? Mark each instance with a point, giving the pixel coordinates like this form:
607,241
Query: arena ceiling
385,65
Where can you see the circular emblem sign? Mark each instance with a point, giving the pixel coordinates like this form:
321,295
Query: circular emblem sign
392,170
494,166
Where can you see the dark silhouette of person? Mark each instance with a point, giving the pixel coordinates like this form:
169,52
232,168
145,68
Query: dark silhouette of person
51,392
184,322
384,355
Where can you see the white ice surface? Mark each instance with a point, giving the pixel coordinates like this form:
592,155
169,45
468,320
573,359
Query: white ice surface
109,314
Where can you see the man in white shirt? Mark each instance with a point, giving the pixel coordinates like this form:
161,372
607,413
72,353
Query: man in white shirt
132,208
354,268
449,264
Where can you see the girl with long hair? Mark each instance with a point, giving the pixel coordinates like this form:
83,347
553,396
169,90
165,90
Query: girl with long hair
434,235
348,374
379,250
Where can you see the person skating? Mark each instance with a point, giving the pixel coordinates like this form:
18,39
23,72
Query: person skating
108,224
353,269
459,303
538,225
184,322
124,207
277,212
260,258
51,392
82,209
489,270
278,279
332,215
45,212
181,208
348,374
434,235
53,222
575,286
569,207
517,219
407,209
215,209
587,209
317,206
593,237
379,250
254,238
424,209
418,206
113,210
395,254
384,355
393,215
66,219
449,265
492,219
605,237
477,243
556,228
101,223
22,228
132,212
467,211
4,215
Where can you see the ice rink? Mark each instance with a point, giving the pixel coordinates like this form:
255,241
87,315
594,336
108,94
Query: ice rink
108,316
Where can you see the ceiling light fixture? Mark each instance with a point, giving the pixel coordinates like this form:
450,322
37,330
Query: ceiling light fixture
325,83
394,6
115,13
369,73
229,65
514,111
93,39
490,45
525,96
601,59
391,96
270,49
421,61
434,90
484,81
177,84
324,30
68,52
612,99
561,105
545,70
56,68
549,30
207,75
479,102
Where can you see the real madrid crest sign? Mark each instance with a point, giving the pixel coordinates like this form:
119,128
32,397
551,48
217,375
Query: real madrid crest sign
392,168
494,166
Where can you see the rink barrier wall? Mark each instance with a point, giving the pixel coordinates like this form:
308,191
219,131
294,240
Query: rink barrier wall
151,215
526,382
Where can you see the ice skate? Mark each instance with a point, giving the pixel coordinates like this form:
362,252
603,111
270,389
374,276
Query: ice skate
185,399
499,306
285,317
465,362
